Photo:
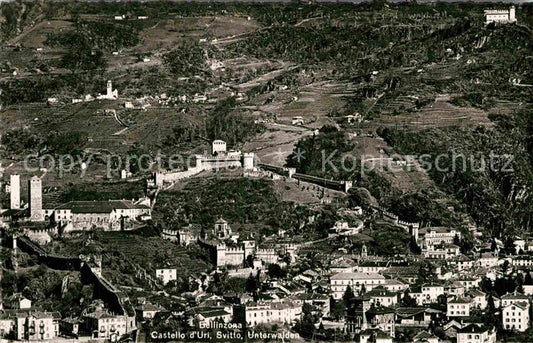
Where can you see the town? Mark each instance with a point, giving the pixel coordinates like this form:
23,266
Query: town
303,209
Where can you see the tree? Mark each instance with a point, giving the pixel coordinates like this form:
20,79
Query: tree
251,284
363,289
490,319
486,285
505,266
275,271
337,308
414,247
348,295
493,246
528,280
408,300
456,240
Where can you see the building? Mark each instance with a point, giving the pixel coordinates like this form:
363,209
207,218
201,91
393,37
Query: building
431,293
479,299
280,312
357,281
111,94
344,229
18,302
459,307
500,16
14,191
515,316
36,325
166,274
513,298
437,235
146,311
35,199
218,146
476,334
380,296
441,251
111,215
222,229
103,324
488,260
382,318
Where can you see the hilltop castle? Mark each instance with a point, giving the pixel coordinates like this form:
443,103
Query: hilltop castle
220,158
500,16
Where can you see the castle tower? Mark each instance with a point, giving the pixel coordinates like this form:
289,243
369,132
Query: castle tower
248,161
512,15
218,147
222,230
15,191
220,255
249,248
35,199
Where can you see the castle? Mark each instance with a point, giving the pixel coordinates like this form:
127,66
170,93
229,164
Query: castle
500,16
224,254
220,158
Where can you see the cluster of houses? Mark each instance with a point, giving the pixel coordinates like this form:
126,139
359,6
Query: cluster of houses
20,321
387,294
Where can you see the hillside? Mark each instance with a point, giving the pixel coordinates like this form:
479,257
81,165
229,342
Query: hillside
423,79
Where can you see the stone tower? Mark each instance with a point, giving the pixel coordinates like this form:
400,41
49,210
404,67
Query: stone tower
35,199
248,160
15,191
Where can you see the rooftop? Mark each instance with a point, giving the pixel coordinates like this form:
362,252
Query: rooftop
357,276
105,206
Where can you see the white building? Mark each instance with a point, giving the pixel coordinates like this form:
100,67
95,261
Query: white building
431,292
166,274
500,16
459,307
479,299
488,260
103,324
476,334
283,312
339,282
438,235
513,298
218,146
380,296
394,285
111,94
37,325
522,261
515,316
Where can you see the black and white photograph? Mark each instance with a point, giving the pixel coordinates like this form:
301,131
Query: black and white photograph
280,171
